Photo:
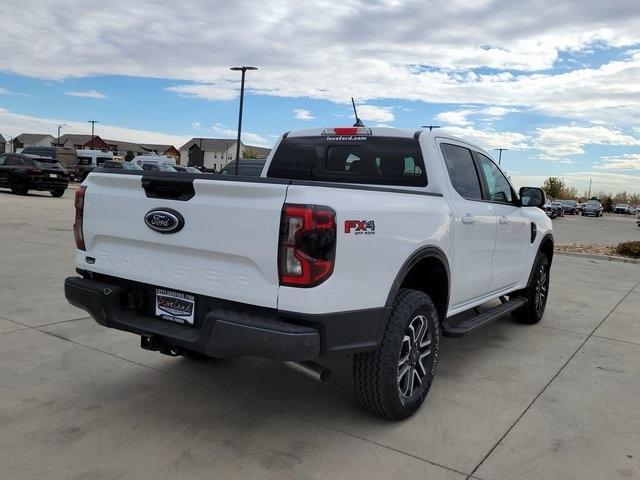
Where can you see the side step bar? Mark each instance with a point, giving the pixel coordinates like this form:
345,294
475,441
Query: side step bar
462,328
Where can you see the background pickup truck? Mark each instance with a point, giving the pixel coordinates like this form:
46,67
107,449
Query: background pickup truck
353,241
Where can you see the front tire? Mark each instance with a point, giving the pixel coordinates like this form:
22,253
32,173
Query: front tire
393,380
58,192
536,293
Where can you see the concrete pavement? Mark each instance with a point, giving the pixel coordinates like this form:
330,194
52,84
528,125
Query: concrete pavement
555,400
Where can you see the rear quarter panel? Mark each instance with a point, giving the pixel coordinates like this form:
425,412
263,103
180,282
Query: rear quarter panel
366,264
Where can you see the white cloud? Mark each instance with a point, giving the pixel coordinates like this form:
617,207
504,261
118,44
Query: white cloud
247,137
626,161
86,94
456,117
604,182
15,124
302,54
301,114
220,91
490,139
375,113
570,139
196,125
461,118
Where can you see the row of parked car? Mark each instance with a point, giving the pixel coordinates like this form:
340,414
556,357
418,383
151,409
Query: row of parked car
591,207
45,169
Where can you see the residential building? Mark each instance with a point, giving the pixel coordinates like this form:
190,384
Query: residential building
214,153
3,144
82,142
32,140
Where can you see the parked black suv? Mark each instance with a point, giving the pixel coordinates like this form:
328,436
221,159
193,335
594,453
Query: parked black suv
22,173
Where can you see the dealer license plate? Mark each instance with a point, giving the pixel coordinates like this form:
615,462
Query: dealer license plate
175,306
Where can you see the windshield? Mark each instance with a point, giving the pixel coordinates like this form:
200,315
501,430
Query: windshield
364,159
47,163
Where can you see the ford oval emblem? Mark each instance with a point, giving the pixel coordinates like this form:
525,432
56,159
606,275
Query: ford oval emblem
164,220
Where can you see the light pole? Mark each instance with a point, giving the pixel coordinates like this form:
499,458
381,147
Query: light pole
243,70
500,154
59,127
93,125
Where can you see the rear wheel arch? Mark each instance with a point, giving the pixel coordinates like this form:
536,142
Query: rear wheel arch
426,270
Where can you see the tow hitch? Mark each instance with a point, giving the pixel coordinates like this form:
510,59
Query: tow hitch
157,344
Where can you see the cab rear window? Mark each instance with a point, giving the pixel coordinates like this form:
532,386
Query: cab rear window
369,160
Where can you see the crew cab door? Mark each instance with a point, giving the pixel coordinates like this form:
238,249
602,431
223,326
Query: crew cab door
514,229
474,226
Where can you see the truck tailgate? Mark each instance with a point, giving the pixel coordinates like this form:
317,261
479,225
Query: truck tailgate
226,249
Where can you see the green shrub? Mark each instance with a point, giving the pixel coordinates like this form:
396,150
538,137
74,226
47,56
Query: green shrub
629,249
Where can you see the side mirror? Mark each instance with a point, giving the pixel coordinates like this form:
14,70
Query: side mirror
532,197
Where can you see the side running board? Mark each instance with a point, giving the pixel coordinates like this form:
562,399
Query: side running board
482,319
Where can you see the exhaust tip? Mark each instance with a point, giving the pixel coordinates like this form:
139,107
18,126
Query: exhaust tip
312,370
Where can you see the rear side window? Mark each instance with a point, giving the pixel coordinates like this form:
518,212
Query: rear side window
84,160
372,160
462,171
101,160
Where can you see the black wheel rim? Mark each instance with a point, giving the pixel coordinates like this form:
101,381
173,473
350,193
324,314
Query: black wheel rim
414,352
542,289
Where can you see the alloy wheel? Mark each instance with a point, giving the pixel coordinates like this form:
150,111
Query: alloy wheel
414,350
542,288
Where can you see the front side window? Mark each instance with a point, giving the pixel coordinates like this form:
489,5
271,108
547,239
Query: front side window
462,171
84,160
497,183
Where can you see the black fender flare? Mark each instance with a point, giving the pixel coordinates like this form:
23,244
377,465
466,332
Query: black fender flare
547,237
429,251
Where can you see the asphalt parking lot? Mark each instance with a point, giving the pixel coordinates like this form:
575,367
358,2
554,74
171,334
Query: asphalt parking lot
610,229
78,401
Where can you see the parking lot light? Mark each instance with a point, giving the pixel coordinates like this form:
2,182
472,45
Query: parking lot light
242,69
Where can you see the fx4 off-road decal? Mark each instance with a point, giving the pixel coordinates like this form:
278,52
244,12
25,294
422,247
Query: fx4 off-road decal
360,227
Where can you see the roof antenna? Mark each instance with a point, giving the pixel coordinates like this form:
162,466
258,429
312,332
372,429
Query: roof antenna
355,112
431,127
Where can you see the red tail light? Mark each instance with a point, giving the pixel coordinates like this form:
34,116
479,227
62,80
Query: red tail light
77,226
307,245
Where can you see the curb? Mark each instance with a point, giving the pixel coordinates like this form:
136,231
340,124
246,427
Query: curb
609,258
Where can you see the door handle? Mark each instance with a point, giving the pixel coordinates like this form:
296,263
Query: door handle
503,220
468,218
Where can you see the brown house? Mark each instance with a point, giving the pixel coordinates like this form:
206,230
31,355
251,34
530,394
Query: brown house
83,142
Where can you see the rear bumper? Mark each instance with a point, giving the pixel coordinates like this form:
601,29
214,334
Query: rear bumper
43,183
228,329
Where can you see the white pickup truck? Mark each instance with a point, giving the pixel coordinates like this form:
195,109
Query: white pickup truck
353,241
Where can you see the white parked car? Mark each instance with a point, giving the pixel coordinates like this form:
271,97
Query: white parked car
354,241
155,163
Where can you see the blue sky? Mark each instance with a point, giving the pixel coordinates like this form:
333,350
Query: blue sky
560,89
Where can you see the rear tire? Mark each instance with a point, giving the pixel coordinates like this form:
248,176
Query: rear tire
19,187
58,192
536,293
393,380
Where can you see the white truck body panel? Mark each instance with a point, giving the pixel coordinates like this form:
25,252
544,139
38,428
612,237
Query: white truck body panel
229,246
227,249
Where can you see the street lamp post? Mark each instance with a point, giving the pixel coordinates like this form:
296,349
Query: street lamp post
59,127
500,154
93,125
243,70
